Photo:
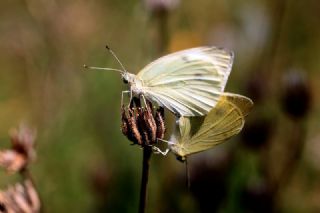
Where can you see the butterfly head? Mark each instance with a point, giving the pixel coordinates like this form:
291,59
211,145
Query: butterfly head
181,158
127,78
135,83
177,148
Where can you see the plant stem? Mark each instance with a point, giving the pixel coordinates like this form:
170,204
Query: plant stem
147,152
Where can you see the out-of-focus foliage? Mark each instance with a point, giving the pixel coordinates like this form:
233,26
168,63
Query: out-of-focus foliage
85,164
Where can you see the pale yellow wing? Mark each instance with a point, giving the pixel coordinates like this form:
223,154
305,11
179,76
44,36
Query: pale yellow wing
243,103
188,82
180,139
225,120
185,128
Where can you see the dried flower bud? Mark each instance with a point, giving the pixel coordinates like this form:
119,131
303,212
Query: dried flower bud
296,98
12,161
141,125
20,198
129,126
145,131
124,122
257,132
161,5
150,122
18,157
22,140
161,129
256,87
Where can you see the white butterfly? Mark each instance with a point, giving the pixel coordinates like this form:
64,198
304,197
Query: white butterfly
188,82
225,120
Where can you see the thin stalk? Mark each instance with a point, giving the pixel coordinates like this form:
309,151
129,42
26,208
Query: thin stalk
187,174
147,152
296,149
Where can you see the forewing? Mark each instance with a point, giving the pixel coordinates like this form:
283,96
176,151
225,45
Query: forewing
221,123
244,103
184,127
188,82
179,139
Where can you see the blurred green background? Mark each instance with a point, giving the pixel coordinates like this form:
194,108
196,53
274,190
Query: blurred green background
85,164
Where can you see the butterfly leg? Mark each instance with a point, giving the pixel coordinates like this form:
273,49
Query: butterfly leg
159,151
130,96
123,92
144,100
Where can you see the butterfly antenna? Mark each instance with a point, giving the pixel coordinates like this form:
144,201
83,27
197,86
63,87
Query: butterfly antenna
115,56
102,68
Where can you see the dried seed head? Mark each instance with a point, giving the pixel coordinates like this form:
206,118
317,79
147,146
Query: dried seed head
22,152
147,124
20,198
257,133
141,125
135,135
22,140
296,97
161,129
124,122
256,87
12,161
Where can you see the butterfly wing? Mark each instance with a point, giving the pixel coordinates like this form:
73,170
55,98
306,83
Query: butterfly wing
243,103
188,82
179,140
184,127
221,123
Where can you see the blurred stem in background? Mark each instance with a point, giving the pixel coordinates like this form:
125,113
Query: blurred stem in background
263,82
160,12
264,86
161,17
296,104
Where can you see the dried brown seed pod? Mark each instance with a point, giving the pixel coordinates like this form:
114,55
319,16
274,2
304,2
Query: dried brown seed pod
161,129
133,133
22,151
20,198
297,95
124,122
12,161
141,125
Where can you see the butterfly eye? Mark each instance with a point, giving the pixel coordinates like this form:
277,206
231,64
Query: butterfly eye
125,80
181,158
